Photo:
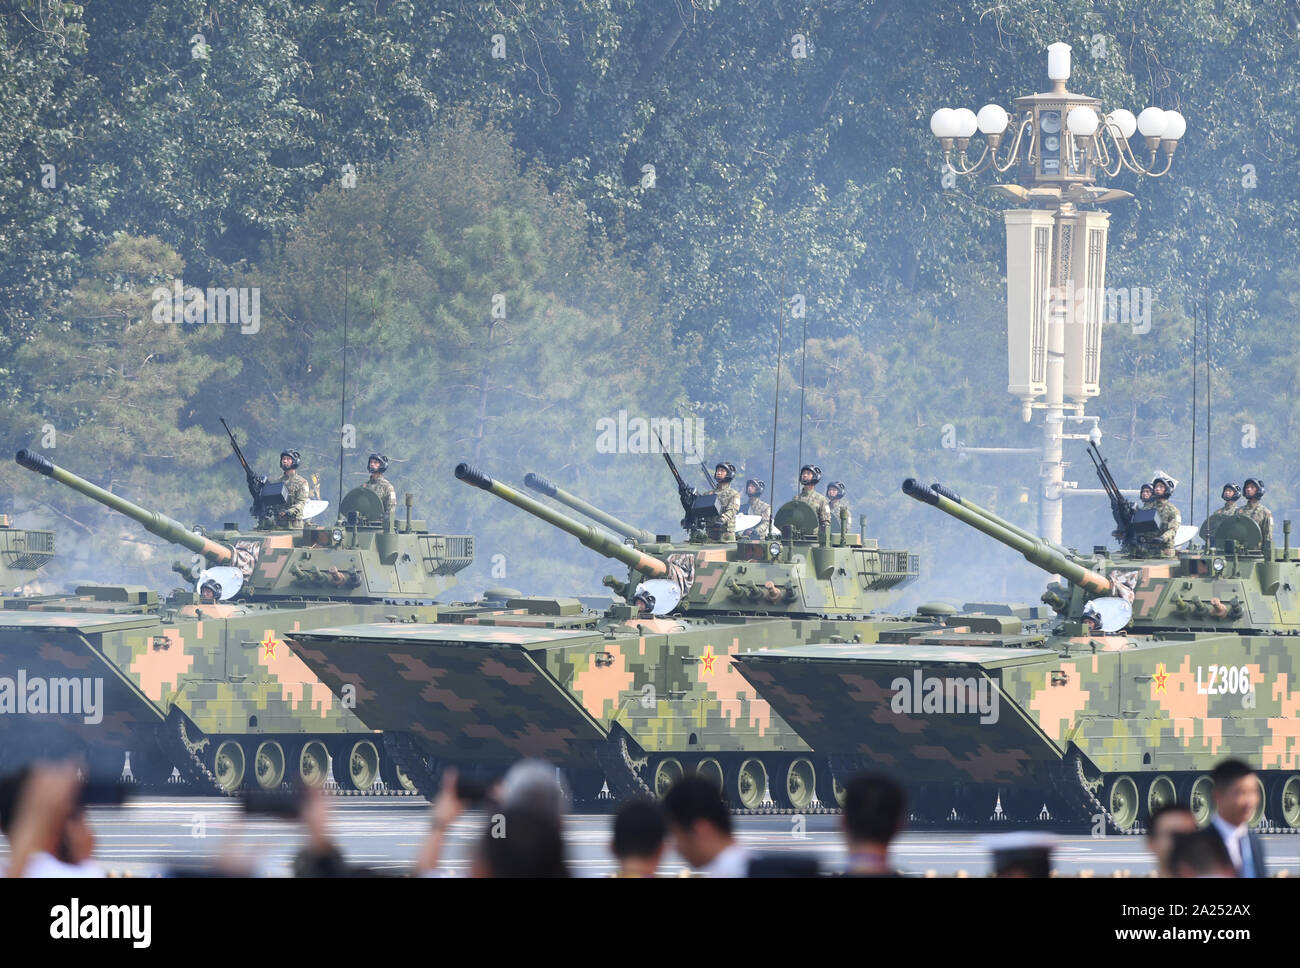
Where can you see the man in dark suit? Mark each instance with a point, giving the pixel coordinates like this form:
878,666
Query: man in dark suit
1236,798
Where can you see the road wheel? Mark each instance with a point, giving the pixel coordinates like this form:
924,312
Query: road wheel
1122,801
1286,797
800,783
711,770
313,761
355,764
228,765
749,784
666,773
1198,798
269,765
830,788
1160,793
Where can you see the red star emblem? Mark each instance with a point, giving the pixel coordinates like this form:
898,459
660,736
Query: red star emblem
707,660
269,643
1161,678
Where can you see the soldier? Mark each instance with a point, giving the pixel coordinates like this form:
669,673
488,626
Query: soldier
209,592
724,527
809,475
377,465
1231,495
296,492
754,489
835,492
1253,489
1161,544
1146,495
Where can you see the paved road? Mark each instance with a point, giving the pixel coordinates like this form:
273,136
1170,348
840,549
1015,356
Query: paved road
385,833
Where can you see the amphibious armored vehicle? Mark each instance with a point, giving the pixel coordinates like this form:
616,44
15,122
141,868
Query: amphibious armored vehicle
210,687
1155,670
637,695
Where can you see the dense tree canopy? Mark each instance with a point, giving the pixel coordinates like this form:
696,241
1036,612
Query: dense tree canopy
643,184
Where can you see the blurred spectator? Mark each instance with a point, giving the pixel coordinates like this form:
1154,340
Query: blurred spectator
521,842
639,834
42,814
319,857
1026,853
1166,822
1200,854
874,812
701,828
1236,798
534,785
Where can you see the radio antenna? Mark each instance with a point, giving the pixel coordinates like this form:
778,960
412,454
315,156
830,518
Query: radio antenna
803,366
1196,330
776,403
343,388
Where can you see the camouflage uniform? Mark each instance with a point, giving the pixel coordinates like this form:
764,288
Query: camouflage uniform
1229,507
1261,516
833,509
296,493
724,528
810,495
387,493
764,527
1161,543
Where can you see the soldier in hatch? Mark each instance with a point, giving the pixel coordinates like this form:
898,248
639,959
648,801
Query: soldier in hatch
1231,495
296,492
1160,544
835,492
1147,497
724,527
382,486
809,475
759,532
1252,490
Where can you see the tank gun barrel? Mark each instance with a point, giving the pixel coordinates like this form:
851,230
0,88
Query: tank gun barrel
153,521
1035,550
588,534
944,491
543,486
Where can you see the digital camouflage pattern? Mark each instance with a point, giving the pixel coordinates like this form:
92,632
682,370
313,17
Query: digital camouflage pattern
764,527
296,494
811,496
222,674
384,489
1161,543
1206,668
724,527
621,697
1261,515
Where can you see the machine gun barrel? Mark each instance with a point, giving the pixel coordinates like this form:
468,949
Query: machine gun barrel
153,521
1035,550
543,486
588,534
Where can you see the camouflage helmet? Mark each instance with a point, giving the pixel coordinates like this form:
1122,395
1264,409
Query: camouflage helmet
812,469
1259,485
294,457
727,466
839,486
761,485
1236,492
383,462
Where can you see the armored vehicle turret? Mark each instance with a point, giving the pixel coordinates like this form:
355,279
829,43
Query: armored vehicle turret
636,696
201,679
1154,670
